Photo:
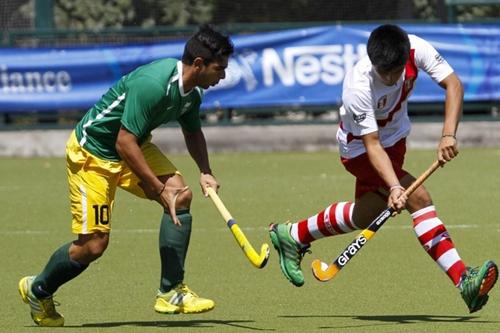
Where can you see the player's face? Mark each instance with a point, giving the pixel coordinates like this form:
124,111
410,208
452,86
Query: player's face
390,77
212,73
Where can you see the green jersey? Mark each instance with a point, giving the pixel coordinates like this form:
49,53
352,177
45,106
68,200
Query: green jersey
140,101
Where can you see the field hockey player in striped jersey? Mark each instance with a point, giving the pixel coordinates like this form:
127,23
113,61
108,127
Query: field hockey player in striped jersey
372,142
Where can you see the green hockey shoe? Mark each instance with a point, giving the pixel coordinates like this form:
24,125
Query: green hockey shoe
476,283
290,253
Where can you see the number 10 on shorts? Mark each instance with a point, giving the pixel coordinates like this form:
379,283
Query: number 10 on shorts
101,213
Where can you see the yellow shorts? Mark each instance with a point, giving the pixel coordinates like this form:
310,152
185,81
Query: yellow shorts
93,182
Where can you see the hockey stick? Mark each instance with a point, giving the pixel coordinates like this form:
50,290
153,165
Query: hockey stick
324,272
258,260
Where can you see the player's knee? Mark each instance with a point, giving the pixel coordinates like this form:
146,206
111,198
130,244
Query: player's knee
184,199
96,249
90,247
418,200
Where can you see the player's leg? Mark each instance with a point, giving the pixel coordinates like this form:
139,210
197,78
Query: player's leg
173,239
173,295
91,198
292,240
335,219
432,233
66,263
474,283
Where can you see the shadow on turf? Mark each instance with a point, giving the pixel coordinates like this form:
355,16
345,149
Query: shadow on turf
400,319
179,324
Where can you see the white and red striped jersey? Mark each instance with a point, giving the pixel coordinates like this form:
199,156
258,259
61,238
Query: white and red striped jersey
368,105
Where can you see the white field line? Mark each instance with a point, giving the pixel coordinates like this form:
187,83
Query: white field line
124,231
246,229
9,188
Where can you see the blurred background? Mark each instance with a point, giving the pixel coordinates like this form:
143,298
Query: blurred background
57,57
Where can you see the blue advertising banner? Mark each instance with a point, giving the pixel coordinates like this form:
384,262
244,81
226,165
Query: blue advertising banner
298,67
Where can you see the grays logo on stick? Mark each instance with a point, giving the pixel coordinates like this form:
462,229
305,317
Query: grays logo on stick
351,250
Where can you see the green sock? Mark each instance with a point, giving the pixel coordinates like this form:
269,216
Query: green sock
174,242
59,270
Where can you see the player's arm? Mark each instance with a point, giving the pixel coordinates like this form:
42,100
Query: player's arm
197,148
129,150
429,60
447,148
358,105
143,95
381,162
140,109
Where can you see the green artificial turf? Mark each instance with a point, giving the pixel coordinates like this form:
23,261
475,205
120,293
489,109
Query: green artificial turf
390,286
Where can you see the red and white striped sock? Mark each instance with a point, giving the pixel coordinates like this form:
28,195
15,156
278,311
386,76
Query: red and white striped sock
334,220
436,241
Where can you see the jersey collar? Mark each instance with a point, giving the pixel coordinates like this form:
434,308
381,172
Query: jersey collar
179,78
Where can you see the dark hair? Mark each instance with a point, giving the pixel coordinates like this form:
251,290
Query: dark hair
388,47
208,44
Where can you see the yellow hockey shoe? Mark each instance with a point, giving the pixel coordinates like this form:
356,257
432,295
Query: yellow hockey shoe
181,299
43,310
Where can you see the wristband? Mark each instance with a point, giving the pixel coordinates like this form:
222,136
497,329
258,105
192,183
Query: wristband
449,135
396,187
